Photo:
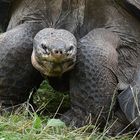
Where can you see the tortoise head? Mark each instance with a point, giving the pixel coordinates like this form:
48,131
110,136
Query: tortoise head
54,51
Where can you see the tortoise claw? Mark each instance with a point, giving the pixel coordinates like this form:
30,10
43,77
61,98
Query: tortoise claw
130,105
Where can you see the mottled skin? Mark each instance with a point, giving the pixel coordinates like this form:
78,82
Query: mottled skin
107,58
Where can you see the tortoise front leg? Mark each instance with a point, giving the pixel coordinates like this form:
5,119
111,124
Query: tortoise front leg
93,82
17,75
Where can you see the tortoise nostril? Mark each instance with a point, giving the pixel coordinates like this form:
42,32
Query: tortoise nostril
61,52
43,46
58,52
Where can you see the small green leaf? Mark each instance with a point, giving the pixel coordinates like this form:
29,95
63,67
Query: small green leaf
37,122
2,138
56,123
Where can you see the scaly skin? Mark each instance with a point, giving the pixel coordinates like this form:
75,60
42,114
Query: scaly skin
93,81
17,75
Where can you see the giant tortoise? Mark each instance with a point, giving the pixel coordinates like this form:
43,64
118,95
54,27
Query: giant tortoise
89,47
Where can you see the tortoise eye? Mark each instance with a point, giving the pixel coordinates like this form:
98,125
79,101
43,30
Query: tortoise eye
70,49
44,46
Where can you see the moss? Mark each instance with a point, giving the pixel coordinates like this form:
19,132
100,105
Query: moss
47,99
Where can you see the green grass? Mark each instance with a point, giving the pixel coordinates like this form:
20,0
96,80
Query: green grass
49,99
27,125
23,126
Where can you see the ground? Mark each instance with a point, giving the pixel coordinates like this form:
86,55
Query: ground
27,125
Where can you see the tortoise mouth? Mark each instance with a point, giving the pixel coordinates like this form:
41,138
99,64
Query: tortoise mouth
51,68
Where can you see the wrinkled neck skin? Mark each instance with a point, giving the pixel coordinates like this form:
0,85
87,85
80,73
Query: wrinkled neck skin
77,16
65,14
109,14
